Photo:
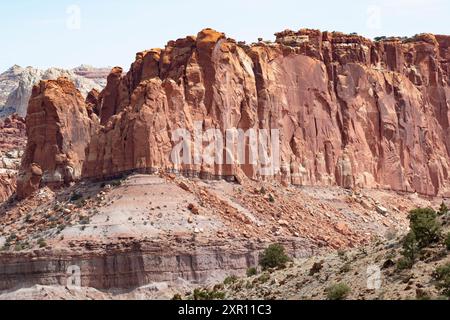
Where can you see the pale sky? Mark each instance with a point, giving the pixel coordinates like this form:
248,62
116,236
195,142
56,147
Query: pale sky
67,33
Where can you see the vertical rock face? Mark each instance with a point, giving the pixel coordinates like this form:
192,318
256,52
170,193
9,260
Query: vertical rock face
356,113
351,112
12,144
59,131
206,78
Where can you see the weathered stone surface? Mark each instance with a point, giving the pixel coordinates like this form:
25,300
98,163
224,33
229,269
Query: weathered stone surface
59,130
111,96
12,144
351,112
92,102
107,267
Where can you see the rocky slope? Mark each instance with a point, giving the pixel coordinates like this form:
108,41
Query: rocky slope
152,235
17,82
350,112
311,278
12,145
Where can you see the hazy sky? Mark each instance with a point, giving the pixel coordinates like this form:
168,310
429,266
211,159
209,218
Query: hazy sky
67,33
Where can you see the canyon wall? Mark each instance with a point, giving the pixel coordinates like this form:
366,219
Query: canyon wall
350,111
115,267
58,130
12,144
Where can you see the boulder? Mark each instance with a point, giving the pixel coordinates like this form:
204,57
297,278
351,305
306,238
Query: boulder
382,210
28,182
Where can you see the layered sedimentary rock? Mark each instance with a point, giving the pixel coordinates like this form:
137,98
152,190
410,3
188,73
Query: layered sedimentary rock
350,112
125,268
12,144
98,75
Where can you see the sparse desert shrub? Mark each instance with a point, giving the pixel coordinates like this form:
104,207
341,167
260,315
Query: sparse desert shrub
273,257
447,241
204,294
200,294
238,285
271,198
19,247
41,243
404,263
28,218
217,295
342,254
410,252
252,272
443,210
12,237
389,263
442,275
265,277
411,247
338,291
378,39
346,268
424,225
116,183
76,196
177,297
230,280
80,203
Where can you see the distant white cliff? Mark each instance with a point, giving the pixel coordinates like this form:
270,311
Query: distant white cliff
16,84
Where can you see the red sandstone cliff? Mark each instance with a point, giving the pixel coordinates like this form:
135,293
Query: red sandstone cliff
12,144
351,112
59,131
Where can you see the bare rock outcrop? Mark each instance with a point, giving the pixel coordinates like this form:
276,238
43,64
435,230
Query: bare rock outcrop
12,144
16,84
109,267
98,75
358,113
59,130
350,111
